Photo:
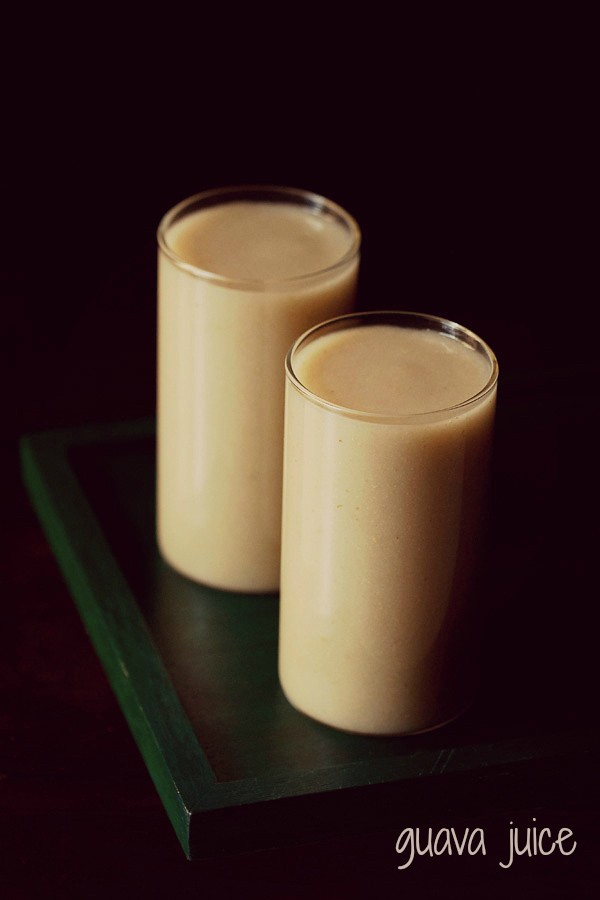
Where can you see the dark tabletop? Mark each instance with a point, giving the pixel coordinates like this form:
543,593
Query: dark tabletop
479,217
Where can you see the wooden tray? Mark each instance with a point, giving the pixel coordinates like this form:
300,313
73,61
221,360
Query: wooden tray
194,670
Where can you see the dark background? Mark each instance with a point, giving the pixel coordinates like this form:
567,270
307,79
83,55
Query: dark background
463,149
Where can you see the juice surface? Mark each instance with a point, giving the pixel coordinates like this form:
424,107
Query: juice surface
391,371
262,241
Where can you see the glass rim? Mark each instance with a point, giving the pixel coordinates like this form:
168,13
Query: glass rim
391,316
272,193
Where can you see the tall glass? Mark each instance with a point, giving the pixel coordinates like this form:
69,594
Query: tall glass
242,271
388,430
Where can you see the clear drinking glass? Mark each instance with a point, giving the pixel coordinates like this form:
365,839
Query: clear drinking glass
388,431
242,271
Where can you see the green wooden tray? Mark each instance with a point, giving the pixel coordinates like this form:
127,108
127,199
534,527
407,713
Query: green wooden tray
194,670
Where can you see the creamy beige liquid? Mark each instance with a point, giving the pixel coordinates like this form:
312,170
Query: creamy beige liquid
382,516
221,348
